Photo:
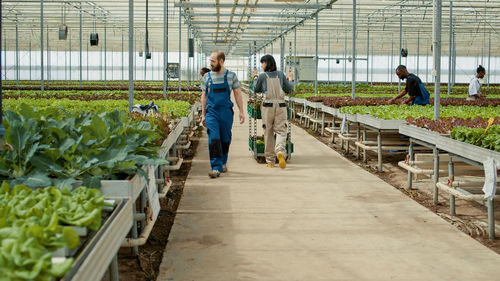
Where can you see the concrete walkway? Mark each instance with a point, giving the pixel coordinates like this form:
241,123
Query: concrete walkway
322,218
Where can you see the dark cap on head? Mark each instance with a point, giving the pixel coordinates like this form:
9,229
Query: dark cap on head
480,69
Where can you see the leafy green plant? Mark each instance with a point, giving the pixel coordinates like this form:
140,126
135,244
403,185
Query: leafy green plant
337,102
35,222
171,107
489,138
401,112
189,96
53,147
444,125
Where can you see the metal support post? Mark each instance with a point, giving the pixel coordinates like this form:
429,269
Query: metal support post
454,60
144,56
135,59
70,68
66,64
451,178
364,139
410,159
142,205
81,58
436,175
2,129
30,57
379,151
131,57
345,58
295,78
322,124
328,58
5,58
100,63
87,61
113,269
134,232
367,53
371,72
249,66
436,38
491,218
188,58
353,83
41,47
392,59
180,45
418,52
450,47
17,53
48,57
282,54
316,56
289,57
489,58
105,55
123,62
400,42
358,135
427,64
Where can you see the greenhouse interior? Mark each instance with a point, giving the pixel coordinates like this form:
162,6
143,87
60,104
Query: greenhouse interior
249,140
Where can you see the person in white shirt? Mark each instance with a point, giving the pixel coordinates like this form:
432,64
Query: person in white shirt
475,84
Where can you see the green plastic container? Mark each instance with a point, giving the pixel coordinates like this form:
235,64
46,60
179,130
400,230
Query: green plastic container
261,146
257,114
254,112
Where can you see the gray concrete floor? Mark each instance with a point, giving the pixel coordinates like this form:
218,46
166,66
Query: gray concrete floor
322,218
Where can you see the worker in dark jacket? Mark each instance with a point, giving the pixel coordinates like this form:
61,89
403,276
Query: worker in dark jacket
416,90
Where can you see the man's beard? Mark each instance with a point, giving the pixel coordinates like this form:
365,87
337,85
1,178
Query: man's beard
216,68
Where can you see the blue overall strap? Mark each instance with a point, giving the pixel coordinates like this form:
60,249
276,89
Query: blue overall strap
219,94
209,80
423,99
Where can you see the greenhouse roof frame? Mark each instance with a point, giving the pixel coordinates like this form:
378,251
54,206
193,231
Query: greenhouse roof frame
233,21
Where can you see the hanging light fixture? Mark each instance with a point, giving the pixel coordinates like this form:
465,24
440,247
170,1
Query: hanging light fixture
94,37
146,51
63,28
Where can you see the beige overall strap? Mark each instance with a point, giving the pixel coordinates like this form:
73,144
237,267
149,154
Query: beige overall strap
273,88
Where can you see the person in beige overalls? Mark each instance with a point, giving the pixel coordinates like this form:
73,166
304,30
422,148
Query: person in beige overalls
273,84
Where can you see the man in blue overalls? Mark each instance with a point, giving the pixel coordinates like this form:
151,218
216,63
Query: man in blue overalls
217,110
416,90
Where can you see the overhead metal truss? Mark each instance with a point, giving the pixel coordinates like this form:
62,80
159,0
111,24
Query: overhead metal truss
231,24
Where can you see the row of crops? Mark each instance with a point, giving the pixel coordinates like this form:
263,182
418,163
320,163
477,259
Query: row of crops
461,118
37,222
306,88
89,83
64,143
96,85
